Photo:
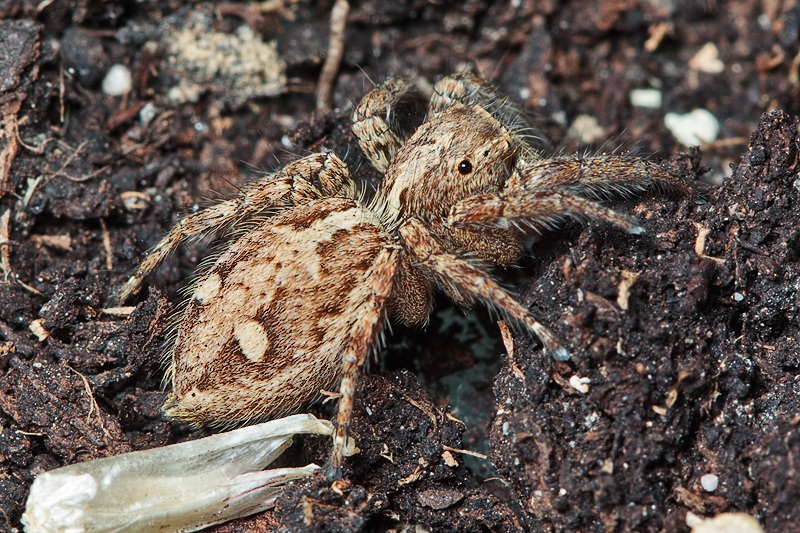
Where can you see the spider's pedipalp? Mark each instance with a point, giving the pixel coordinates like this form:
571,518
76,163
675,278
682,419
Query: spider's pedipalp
372,121
298,182
459,275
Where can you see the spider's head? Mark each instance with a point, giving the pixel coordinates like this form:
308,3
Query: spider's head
457,153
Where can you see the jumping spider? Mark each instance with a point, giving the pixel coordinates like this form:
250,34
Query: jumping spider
300,296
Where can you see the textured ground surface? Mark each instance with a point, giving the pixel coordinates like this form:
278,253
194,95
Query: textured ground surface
688,334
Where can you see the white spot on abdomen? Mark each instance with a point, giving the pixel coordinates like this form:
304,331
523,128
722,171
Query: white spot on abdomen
208,288
252,339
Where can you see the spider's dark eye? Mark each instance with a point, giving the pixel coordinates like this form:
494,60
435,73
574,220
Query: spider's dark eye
465,167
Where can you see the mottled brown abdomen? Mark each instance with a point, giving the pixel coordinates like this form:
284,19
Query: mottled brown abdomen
265,327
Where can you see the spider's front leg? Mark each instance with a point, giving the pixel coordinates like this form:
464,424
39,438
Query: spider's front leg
462,277
600,176
533,208
470,89
546,191
301,181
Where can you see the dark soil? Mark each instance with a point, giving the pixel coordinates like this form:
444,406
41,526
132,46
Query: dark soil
688,334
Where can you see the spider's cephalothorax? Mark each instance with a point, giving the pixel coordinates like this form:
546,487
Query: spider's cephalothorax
296,302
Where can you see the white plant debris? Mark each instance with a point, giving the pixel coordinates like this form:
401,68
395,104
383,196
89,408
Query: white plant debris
236,66
707,60
724,523
696,128
178,488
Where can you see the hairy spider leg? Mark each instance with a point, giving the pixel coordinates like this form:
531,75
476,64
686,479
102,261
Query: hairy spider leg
372,121
362,337
299,182
460,275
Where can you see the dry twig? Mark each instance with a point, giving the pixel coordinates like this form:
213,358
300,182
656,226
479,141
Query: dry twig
334,58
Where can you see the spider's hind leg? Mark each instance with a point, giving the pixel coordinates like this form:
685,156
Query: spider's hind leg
301,181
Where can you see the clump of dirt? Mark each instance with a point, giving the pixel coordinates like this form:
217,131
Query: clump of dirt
407,470
688,336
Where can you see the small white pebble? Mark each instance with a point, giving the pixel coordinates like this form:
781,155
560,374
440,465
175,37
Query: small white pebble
562,492
147,114
580,384
709,482
505,428
118,81
648,98
693,129
707,60
559,117
738,296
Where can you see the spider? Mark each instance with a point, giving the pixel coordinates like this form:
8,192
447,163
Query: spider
302,293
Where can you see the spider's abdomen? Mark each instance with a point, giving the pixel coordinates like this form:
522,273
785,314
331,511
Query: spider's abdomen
264,330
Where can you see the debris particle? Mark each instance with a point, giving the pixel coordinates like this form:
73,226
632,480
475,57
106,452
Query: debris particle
707,60
235,67
628,279
724,523
672,397
134,200
182,487
709,482
147,114
586,129
449,460
118,81
646,98
693,129
580,384
660,411
700,243
38,330
330,68
119,311
57,242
